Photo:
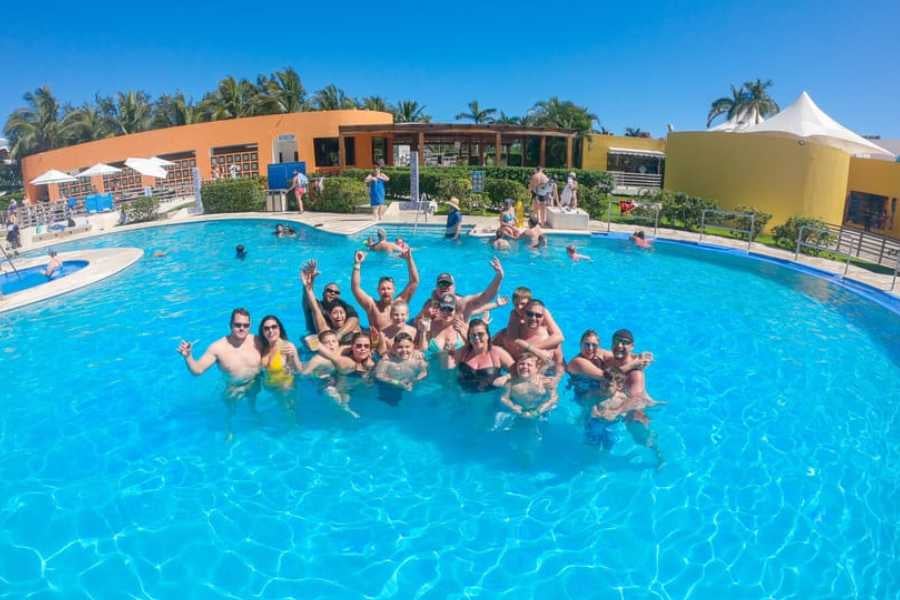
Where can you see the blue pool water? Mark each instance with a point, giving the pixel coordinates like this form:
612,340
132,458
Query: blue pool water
11,281
780,431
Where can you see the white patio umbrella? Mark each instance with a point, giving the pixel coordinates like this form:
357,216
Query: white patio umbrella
804,120
52,176
161,161
145,166
99,169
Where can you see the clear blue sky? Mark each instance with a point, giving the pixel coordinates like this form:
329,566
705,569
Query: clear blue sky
634,64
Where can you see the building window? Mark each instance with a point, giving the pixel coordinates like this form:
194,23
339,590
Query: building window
350,151
327,152
379,150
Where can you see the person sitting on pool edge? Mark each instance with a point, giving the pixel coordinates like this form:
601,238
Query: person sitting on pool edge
446,284
454,220
379,312
239,358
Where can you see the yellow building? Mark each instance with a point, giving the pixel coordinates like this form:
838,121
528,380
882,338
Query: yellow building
783,176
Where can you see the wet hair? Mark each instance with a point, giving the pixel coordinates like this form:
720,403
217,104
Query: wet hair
52,253
535,302
398,303
498,235
385,278
639,234
325,333
239,311
541,241
359,334
532,221
336,306
240,251
478,323
588,333
402,336
262,338
522,291
525,356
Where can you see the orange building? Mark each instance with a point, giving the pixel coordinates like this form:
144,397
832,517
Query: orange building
243,146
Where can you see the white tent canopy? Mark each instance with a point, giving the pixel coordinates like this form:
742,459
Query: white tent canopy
147,167
99,169
52,176
804,120
161,161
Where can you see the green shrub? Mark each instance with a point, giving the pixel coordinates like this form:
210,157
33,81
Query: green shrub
814,232
233,195
6,199
679,208
498,190
760,219
458,187
142,209
593,201
340,195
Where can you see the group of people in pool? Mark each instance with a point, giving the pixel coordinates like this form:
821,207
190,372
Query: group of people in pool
449,337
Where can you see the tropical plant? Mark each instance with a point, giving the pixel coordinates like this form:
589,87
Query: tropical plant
562,114
282,92
87,123
751,101
409,111
636,132
477,114
375,103
811,231
332,97
231,99
505,119
145,208
129,112
37,126
171,111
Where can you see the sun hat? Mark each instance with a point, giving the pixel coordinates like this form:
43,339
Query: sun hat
453,202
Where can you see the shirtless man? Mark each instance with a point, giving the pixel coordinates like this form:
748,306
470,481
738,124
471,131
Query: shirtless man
465,305
379,311
530,337
238,356
53,265
534,232
380,243
515,326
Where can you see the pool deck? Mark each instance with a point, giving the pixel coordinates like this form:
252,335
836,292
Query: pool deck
350,224
102,263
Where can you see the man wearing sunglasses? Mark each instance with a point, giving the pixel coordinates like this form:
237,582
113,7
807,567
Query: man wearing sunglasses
466,305
331,297
531,337
379,312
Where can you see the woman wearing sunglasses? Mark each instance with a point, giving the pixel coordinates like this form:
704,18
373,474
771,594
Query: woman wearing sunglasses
279,356
448,332
333,315
480,363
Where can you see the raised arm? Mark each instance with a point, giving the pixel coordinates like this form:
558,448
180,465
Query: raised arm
411,287
309,299
582,366
344,364
365,300
489,292
197,367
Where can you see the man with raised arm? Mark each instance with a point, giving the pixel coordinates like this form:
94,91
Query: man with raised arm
466,305
379,312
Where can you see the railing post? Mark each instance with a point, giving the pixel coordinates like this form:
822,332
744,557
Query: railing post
608,215
859,244
881,252
656,221
799,237
896,268
752,229
702,225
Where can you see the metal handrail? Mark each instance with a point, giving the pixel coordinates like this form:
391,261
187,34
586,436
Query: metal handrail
802,244
749,232
896,268
9,260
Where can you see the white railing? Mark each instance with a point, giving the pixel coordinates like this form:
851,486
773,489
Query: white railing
726,219
818,239
621,179
641,212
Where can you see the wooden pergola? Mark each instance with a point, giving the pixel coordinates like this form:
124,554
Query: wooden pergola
420,135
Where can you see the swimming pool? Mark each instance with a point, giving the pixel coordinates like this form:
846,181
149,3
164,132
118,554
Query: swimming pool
16,281
780,433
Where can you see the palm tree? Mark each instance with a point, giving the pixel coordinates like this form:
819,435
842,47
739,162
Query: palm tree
130,112
332,97
37,126
725,105
635,132
283,92
476,114
750,102
375,103
505,119
231,99
562,114
87,123
409,111
171,111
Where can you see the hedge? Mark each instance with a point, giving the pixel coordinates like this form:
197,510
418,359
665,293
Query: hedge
141,209
498,190
340,195
814,232
233,195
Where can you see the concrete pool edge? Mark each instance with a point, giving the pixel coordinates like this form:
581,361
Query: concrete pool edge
102,264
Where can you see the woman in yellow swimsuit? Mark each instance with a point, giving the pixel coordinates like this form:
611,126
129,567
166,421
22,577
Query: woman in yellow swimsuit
279,356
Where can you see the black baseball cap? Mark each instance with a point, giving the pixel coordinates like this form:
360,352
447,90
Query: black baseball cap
624,335
445,277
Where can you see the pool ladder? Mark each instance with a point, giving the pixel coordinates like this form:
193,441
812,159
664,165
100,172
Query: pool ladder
9,260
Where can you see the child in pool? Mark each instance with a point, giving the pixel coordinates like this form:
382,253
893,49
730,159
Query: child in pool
404,367
528,394
572,252
399,315
323,369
